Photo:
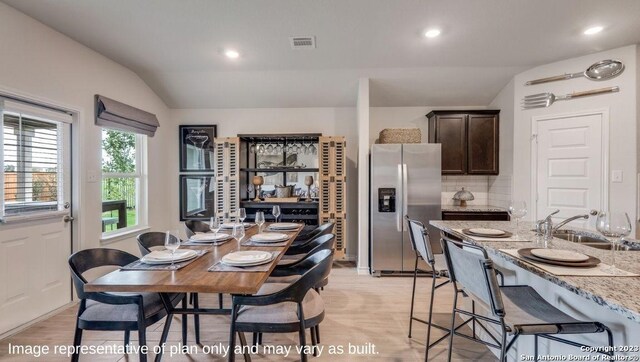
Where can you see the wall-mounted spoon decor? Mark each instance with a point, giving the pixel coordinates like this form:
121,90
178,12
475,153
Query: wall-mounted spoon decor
542,100
602,70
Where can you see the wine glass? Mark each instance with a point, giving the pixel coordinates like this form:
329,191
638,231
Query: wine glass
615,225
214,225
172,243
276,211
517,209
238,231
242,214
260,220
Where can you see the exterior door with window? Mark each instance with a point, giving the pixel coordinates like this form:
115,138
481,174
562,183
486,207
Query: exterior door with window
35,239
570,166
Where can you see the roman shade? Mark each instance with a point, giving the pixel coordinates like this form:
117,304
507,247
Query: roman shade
113,114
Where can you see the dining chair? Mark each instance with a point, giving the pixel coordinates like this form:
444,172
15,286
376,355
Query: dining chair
517,310
419,237
316,243
283,307
301,240
191,227
113,311
290,273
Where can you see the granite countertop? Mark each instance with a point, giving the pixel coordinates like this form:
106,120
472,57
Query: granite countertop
473,208
620,294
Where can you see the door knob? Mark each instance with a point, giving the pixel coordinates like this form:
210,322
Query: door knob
68,218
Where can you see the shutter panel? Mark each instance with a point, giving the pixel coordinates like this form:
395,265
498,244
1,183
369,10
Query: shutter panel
332,164
227,183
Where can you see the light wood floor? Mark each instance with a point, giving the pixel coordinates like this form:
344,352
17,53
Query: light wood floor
360,310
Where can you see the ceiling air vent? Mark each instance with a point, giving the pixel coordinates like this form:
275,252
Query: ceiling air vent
303,42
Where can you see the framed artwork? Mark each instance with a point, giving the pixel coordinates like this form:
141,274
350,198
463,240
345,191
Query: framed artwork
196,148
197,200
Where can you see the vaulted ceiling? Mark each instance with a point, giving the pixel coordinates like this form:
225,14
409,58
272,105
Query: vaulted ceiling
177,47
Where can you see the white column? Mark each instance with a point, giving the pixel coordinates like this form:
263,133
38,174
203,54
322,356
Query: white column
363,176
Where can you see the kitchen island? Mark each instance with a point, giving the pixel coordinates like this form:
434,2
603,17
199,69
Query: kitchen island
614,301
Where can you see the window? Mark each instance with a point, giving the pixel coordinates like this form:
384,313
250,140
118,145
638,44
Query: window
123,181
33,167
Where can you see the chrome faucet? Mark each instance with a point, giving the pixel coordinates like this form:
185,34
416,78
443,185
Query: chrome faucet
570,219
545,227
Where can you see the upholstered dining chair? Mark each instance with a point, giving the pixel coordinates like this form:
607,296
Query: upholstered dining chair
517,310
283,307
191,227
302,239
113,311
155,239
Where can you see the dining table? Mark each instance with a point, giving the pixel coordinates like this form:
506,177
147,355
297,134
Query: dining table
196,277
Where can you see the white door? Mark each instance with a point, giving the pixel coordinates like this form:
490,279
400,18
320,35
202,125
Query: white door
570,169
35,240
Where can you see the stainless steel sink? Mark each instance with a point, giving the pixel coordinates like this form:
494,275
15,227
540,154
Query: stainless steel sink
588,240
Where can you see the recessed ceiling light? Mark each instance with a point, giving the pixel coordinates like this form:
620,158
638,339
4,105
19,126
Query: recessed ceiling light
593,30
432,33
231,54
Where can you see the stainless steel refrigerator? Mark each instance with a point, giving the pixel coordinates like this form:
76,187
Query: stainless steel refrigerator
405,180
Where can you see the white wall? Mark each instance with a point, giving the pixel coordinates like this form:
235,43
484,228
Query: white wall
42,63
364,122
622,116
230,122
500,185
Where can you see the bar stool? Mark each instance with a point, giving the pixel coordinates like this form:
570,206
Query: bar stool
419,237
518,310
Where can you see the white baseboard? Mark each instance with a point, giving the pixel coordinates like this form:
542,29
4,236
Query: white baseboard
363,271
22,327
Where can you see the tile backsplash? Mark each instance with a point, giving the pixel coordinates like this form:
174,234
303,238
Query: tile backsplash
500,190
477,185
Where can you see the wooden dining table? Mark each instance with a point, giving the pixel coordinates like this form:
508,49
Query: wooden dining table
195,277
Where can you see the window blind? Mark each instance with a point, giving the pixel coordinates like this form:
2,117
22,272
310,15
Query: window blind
116,115
31,158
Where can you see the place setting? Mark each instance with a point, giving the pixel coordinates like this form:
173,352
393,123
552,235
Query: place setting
170,258
213,238
273,239
245,260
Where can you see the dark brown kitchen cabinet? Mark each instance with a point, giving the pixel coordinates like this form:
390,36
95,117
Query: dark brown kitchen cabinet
470,141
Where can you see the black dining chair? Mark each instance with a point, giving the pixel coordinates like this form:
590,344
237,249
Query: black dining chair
113,311
290,273
155,239
301,240
191,227
293,258
283,307
517,310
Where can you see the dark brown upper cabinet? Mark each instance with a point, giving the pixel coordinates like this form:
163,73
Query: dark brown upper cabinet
470,141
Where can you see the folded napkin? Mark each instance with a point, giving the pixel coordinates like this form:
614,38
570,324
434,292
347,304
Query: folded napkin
488,238
257,243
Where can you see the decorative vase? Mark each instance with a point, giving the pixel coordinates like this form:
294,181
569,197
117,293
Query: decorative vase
258,181
308,180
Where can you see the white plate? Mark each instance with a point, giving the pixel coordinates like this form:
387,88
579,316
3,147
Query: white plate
284,226
242,265
229,225
487,231
269,237
209,237
246,257
164,256
559,255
